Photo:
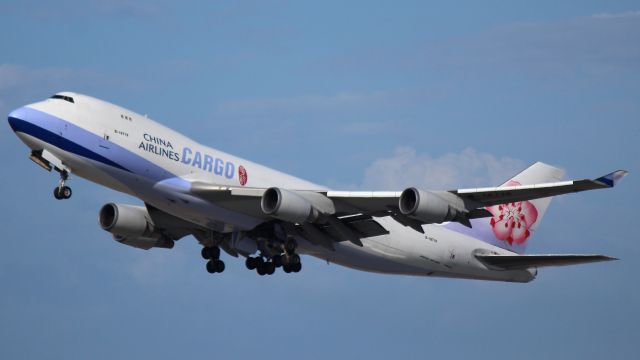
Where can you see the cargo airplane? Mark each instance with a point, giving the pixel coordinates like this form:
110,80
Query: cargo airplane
271,218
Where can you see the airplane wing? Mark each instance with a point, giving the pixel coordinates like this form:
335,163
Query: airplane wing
518,262
480,197
327,216
469,201
506,194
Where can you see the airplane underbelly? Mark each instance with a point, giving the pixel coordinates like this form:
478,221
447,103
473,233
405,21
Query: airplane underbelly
372,257
178,202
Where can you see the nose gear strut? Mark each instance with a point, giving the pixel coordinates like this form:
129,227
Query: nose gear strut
62,191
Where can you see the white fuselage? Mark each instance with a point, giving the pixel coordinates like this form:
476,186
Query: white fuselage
128,152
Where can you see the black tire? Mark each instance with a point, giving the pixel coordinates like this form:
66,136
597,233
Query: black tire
205,253
296,267
214,252
277,261
294,259
290,246
66,192
211,267
260,270
286,268
251,263
219,264
271,268
56,193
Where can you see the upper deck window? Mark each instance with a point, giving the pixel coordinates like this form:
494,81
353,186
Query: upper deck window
63,97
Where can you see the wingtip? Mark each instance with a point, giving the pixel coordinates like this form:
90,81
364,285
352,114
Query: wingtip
613,178
605,258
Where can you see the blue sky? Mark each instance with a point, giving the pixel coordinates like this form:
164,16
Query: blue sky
357,95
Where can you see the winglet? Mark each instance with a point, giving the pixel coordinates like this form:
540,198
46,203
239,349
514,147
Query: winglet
613,178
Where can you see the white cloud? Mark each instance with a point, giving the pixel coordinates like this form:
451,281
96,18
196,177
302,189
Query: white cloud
468,168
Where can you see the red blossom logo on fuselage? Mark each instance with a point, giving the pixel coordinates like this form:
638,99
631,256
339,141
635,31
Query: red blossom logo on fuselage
242,175
511,222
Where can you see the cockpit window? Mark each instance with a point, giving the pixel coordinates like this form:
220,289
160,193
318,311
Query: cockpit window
63,97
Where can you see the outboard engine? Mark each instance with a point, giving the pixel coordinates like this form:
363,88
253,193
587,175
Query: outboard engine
131,225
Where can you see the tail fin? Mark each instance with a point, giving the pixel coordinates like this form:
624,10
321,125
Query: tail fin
536,174
513,224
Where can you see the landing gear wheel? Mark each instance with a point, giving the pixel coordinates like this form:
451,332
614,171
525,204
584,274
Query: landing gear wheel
65,192
296,267
261,270
215,266
294,259
277,261
211,267
210,253
61,191
219,266
251,263
270,268
286,268
290,246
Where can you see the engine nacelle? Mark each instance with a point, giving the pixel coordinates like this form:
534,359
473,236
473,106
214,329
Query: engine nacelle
288,205
131,225
426,206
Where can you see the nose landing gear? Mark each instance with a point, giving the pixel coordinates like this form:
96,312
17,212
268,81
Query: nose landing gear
62,192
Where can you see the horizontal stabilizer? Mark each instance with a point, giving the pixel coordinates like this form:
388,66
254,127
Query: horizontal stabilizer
516,262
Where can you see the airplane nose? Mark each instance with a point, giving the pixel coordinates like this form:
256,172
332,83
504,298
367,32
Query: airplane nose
16,117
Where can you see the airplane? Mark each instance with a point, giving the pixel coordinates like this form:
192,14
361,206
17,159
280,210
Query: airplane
271,218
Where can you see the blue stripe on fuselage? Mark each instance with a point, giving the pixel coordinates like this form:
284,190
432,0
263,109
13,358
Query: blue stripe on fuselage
81,142
56,140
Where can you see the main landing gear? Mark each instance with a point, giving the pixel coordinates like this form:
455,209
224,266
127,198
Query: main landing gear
214,265
61,191
267,265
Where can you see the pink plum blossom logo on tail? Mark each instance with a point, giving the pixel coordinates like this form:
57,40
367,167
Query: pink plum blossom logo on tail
511,222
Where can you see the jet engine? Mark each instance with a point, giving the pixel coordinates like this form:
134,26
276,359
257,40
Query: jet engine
131,225
426,206
295,207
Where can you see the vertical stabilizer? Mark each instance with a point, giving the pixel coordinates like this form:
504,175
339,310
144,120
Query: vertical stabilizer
513,224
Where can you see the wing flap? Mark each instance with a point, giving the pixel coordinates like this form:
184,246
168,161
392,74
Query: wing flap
363,201
517,262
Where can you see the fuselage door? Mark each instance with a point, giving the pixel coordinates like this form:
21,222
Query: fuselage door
105,141
62,128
